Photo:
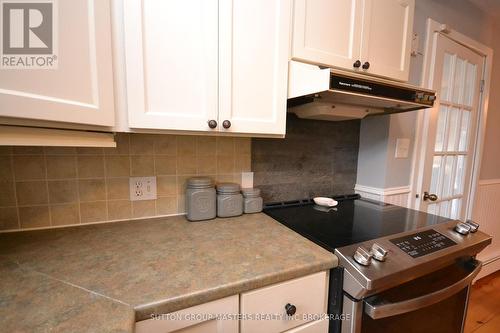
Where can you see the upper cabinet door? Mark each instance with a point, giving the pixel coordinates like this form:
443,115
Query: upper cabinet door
71,79
387,38
253,65
328,32
171,49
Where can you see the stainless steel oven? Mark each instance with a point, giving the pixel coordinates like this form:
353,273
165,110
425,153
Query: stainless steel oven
436,302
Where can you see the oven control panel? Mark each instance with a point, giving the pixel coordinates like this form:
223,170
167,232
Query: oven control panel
422,243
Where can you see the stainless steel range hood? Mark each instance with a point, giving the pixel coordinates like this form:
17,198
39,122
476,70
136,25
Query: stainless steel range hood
328,94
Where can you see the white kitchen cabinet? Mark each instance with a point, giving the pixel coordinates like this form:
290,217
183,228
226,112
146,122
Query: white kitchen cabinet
388,30
80,89
254,45
189,62
367,36
327,32
171,52
179,321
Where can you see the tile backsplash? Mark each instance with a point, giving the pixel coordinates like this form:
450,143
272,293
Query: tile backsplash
316,158
54,186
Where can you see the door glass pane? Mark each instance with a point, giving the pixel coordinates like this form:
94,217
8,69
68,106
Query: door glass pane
453,128
444,209
431,209
458,186
436,174
448,177
455,209
464,131
441,128
445,81
470,83
458,81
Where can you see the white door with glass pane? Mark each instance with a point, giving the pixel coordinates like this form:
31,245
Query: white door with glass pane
452,130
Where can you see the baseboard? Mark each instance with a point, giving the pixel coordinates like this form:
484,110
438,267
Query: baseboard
393,195
489,267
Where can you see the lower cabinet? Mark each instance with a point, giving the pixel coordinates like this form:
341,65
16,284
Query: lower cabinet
294,306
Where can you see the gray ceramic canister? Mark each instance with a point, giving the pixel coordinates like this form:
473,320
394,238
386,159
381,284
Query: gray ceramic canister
252,201
200,199
229,200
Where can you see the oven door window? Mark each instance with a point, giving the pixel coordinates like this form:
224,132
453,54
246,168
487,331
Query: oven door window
433,303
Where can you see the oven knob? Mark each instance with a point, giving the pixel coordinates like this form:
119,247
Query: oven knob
362,256
473,226
462,228
378,252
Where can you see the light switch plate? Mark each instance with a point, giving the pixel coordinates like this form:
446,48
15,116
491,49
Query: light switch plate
142,188
246,179
402,148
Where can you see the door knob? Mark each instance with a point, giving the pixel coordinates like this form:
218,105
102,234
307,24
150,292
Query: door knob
357,64
226,124
366,65
212,124
431,197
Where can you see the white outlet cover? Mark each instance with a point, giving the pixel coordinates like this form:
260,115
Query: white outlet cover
402,148
142,188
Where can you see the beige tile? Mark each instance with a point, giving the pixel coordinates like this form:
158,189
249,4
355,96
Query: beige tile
63,191
243,163
89,151
225,146
243,146
7,194
60,150
92,190
181,184
166,185
93,211
206,165
6,150
8,218
65,214
6,168
119,210
28,150
34,217
226,179
165,145
186,145
142,144
166,205
186,165
122,145
29,167
165,165
31,193
91,166
206,146
142,166
61,167
181,204
225,164
143,208
118,188
117,166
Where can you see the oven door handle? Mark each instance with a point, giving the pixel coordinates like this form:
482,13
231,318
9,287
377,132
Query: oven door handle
392,309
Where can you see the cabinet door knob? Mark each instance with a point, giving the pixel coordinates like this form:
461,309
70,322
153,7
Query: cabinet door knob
226,124
290,309
366,65
357,64
212,124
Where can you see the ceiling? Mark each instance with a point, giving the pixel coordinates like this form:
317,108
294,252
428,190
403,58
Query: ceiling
492,7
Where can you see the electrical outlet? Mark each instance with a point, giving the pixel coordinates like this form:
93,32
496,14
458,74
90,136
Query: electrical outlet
142,188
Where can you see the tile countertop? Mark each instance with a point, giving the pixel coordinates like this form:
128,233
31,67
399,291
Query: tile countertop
114,274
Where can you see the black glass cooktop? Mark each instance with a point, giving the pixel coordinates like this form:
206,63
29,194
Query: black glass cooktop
352,221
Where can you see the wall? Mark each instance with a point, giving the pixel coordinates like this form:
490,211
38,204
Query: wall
317,158
51,186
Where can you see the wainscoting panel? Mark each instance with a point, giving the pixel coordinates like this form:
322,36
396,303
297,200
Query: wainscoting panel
486,212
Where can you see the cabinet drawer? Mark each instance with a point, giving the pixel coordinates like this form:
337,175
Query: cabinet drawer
319,326
308,294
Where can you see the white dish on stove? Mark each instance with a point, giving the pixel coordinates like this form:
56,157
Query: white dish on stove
325,202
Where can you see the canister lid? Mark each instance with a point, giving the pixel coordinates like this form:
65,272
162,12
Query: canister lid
199,182
251,192
228,188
